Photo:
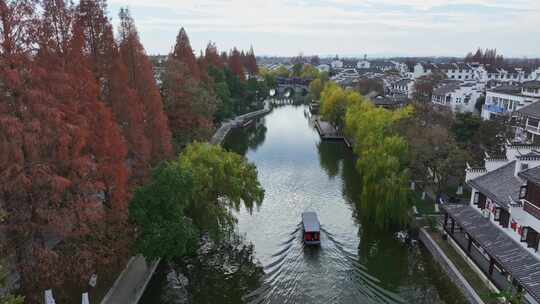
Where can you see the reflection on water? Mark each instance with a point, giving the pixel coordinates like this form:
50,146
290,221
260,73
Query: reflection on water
356,263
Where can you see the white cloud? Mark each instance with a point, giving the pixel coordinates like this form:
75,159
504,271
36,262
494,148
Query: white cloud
360,21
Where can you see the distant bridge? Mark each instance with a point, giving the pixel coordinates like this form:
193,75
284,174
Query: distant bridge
292,86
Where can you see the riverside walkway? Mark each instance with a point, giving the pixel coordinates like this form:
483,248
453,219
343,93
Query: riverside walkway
238,121
132,281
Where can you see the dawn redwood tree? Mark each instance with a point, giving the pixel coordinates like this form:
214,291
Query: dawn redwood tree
235,64
190,108
141,79
189,103
212,56
184,53
111,72
251,62
62,170
17,25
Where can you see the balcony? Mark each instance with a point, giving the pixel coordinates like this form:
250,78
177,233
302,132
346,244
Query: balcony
533,129
494,109
531,209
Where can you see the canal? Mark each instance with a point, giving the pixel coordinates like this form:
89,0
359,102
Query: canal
356,262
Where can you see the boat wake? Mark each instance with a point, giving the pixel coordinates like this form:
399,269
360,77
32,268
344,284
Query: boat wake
304,274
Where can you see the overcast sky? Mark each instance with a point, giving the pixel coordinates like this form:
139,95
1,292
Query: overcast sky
344,27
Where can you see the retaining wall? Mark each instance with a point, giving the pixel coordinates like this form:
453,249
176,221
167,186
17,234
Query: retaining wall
449,268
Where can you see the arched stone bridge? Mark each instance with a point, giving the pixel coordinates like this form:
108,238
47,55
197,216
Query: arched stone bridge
292,86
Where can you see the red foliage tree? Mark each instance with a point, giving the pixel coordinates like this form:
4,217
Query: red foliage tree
184,53
62,173
251,62
235,64
212,56
110,70
141,79
189,106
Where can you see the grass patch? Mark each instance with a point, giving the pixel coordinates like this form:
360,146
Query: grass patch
468,273
426,206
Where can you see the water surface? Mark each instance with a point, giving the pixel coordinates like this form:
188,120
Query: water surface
356,263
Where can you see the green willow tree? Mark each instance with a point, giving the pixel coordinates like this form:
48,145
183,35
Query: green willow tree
159,210
192,194
383,162
222,181
334,103
315,89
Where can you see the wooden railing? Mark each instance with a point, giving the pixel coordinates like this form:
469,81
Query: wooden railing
531,209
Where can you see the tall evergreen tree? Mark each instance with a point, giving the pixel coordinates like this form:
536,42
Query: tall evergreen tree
251,62
235,64
141,79
184,53
109,69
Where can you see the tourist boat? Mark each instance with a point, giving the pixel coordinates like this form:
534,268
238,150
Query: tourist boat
311,228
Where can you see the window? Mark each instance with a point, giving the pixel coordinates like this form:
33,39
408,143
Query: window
523,192
476,198
524,166
497,215
524,234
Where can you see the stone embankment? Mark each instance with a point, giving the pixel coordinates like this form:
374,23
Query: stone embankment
237,122
449,268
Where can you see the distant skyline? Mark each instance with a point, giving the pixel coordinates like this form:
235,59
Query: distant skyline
378,28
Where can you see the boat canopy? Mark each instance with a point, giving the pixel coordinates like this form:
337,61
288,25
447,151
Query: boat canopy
310,222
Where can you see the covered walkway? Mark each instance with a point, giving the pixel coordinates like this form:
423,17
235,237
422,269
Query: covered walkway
504,261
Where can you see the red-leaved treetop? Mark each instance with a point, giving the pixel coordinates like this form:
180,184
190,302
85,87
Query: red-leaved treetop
113,75
17,25
184,53
141,79
251,62
235,64
212,57
189,102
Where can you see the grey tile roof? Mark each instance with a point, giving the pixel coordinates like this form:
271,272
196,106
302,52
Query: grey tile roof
381,64
532,175
447,66
403,82
534,84
530,110
507,89
446,88
499,185
390,100
516,260
491,69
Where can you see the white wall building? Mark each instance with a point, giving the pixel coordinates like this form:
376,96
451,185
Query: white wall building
505,99
498,193
336,64
422,69
363,64
459,97
402,87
